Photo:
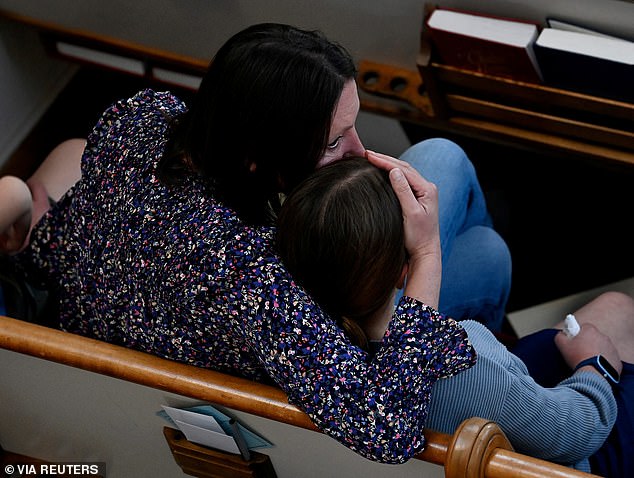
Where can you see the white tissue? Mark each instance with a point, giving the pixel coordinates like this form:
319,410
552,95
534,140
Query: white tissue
571,326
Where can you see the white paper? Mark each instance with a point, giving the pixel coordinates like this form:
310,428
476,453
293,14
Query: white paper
206,437
208,426
198,419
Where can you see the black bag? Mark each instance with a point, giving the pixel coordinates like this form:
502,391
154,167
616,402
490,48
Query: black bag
22,300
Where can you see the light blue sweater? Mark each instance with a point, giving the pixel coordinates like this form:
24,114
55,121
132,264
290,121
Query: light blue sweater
564,424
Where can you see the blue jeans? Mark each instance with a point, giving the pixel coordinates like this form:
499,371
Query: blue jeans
476,273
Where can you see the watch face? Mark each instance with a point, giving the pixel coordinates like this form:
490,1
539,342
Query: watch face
611,373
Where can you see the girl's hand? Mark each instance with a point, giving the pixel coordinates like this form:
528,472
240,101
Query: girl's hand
419,203
589,342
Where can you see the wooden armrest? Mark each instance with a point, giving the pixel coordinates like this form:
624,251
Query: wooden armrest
146,369
480,449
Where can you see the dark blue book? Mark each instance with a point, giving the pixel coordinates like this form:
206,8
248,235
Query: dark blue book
587,63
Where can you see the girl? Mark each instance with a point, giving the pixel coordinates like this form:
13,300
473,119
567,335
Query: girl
342,237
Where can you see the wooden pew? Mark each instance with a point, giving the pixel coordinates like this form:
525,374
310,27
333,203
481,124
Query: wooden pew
69,398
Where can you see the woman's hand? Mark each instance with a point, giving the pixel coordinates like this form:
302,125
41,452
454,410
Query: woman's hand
419,202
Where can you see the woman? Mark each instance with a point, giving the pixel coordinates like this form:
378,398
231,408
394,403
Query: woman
164,244
340,233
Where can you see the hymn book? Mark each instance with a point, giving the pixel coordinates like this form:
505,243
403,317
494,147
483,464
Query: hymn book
490,45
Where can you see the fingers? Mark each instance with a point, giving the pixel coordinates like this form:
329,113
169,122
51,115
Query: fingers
384,161
403,190
417,196
419,185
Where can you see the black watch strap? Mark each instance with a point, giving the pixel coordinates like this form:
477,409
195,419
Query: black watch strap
604,367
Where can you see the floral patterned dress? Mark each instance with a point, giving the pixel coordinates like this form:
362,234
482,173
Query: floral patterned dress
173,272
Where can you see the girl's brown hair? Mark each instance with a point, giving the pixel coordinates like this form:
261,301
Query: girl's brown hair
340,234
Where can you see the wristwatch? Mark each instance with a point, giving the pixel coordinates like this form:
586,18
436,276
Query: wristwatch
603,366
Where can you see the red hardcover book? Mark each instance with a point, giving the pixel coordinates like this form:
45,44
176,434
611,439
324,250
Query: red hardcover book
486,44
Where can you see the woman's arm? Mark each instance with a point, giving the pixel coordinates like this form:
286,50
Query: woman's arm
15,214
377,407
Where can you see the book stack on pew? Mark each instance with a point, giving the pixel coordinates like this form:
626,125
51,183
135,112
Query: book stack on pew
561,55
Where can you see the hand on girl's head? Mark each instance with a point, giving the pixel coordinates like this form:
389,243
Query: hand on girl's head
418,198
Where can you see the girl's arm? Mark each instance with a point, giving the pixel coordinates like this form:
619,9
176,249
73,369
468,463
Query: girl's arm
16,207
564,424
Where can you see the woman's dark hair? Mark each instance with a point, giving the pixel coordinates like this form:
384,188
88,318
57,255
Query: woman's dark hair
340,234
261,118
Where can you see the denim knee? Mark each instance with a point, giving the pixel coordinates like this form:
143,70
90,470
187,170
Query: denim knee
477,277
499,262
437,149
435,156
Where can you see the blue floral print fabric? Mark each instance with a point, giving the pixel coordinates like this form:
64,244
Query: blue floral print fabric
173,272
